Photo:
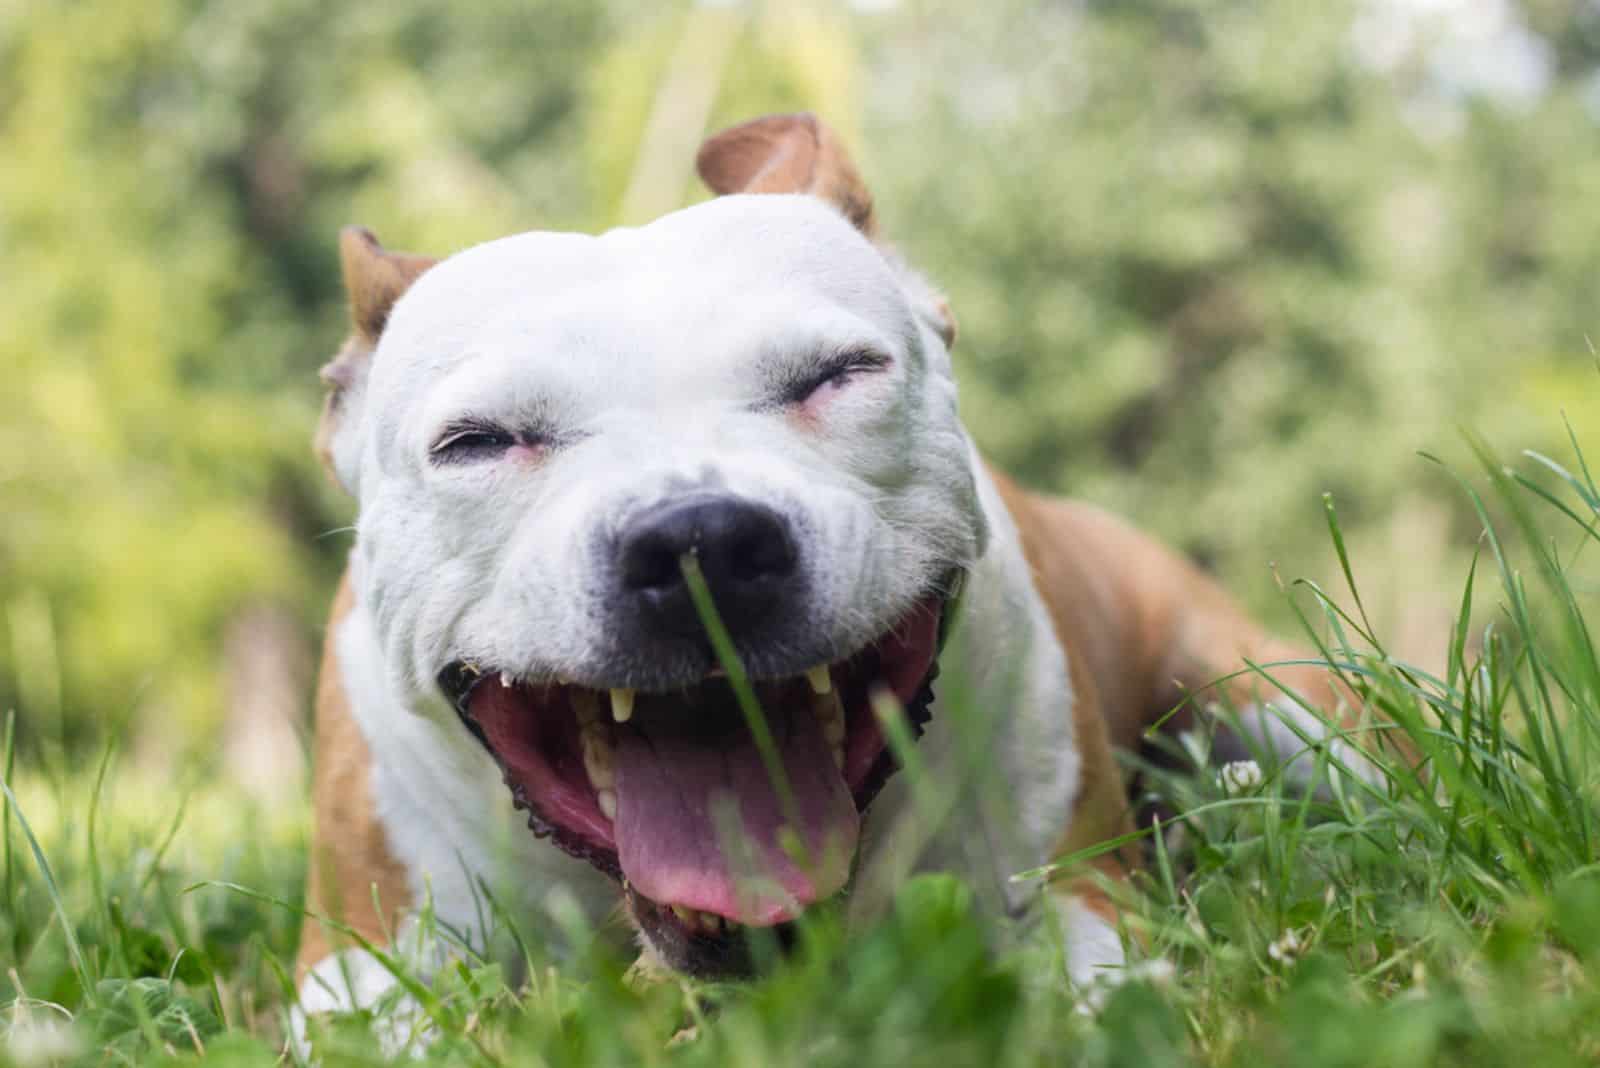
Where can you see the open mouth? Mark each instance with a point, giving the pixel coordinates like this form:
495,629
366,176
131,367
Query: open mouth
710,826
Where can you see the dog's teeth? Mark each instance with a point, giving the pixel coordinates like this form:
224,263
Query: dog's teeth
622,705
833,730
505,679
608,804
597,758
685,916
821,682
828,711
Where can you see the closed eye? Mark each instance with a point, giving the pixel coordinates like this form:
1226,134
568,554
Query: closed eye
470,440
835,372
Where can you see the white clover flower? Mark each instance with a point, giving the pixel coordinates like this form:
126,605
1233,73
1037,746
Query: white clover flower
1286,949
1240,776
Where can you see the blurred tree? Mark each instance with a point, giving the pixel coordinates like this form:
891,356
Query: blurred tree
175,174
1210,261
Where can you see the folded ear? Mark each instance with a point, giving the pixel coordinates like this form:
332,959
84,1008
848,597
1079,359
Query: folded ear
787,154
374,278
800,154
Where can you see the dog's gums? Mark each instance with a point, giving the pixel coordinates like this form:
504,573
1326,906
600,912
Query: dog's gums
672,794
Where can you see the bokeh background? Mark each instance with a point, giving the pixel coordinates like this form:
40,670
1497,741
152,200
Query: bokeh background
1211,259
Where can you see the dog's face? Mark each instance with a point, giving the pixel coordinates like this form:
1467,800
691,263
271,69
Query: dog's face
554,427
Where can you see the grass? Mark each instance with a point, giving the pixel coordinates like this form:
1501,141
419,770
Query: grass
1451,918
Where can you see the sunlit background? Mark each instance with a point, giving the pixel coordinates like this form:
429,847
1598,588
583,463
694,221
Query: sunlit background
1211,259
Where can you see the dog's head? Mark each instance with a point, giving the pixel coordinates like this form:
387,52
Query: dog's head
542,431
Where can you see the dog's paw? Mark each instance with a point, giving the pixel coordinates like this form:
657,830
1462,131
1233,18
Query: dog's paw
1096,961
1093,995
1092,945
354,980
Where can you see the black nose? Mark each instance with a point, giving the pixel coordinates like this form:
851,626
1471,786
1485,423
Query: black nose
745,552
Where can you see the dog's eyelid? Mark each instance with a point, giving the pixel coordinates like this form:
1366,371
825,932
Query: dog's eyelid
864,357
470,438
832,366
850,358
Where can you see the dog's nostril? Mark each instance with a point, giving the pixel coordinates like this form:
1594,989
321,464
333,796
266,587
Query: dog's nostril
650,562
761,549
739,545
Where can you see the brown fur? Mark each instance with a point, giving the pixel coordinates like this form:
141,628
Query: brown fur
1141,628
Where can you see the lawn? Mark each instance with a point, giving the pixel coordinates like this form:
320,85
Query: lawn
1445,918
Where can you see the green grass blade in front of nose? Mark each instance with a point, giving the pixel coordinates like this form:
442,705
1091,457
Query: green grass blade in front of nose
728,656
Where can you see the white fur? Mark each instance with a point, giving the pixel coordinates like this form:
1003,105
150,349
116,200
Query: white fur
643,352
1093,948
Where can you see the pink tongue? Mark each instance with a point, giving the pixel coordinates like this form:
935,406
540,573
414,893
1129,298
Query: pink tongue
676,795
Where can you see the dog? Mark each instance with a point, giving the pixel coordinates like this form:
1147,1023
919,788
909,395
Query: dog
556,440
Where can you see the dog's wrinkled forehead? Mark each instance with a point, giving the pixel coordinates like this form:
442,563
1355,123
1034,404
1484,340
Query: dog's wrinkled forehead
680,303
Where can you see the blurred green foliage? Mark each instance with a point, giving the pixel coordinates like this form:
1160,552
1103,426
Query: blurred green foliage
1210,259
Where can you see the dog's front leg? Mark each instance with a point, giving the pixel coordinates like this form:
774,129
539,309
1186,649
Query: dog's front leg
355,879
1088,909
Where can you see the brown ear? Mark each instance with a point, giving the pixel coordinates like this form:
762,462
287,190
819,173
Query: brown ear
374,278
787,154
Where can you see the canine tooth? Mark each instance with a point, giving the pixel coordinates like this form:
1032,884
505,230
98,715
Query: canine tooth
827,710
608,804
685,916
505,679
597,758
821,682
622,705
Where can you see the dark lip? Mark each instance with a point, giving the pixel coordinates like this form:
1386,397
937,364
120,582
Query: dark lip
695,953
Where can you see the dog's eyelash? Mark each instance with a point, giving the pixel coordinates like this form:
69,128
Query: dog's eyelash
469,440
837,368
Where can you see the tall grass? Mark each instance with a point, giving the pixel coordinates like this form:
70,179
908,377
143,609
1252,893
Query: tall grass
1447,914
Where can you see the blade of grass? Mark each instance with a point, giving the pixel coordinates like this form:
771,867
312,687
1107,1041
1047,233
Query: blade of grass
80,963
728,656
7,772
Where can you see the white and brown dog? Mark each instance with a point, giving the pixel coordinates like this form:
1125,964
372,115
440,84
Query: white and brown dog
539,428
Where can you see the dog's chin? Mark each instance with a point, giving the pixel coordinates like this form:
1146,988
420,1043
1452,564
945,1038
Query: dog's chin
712,824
